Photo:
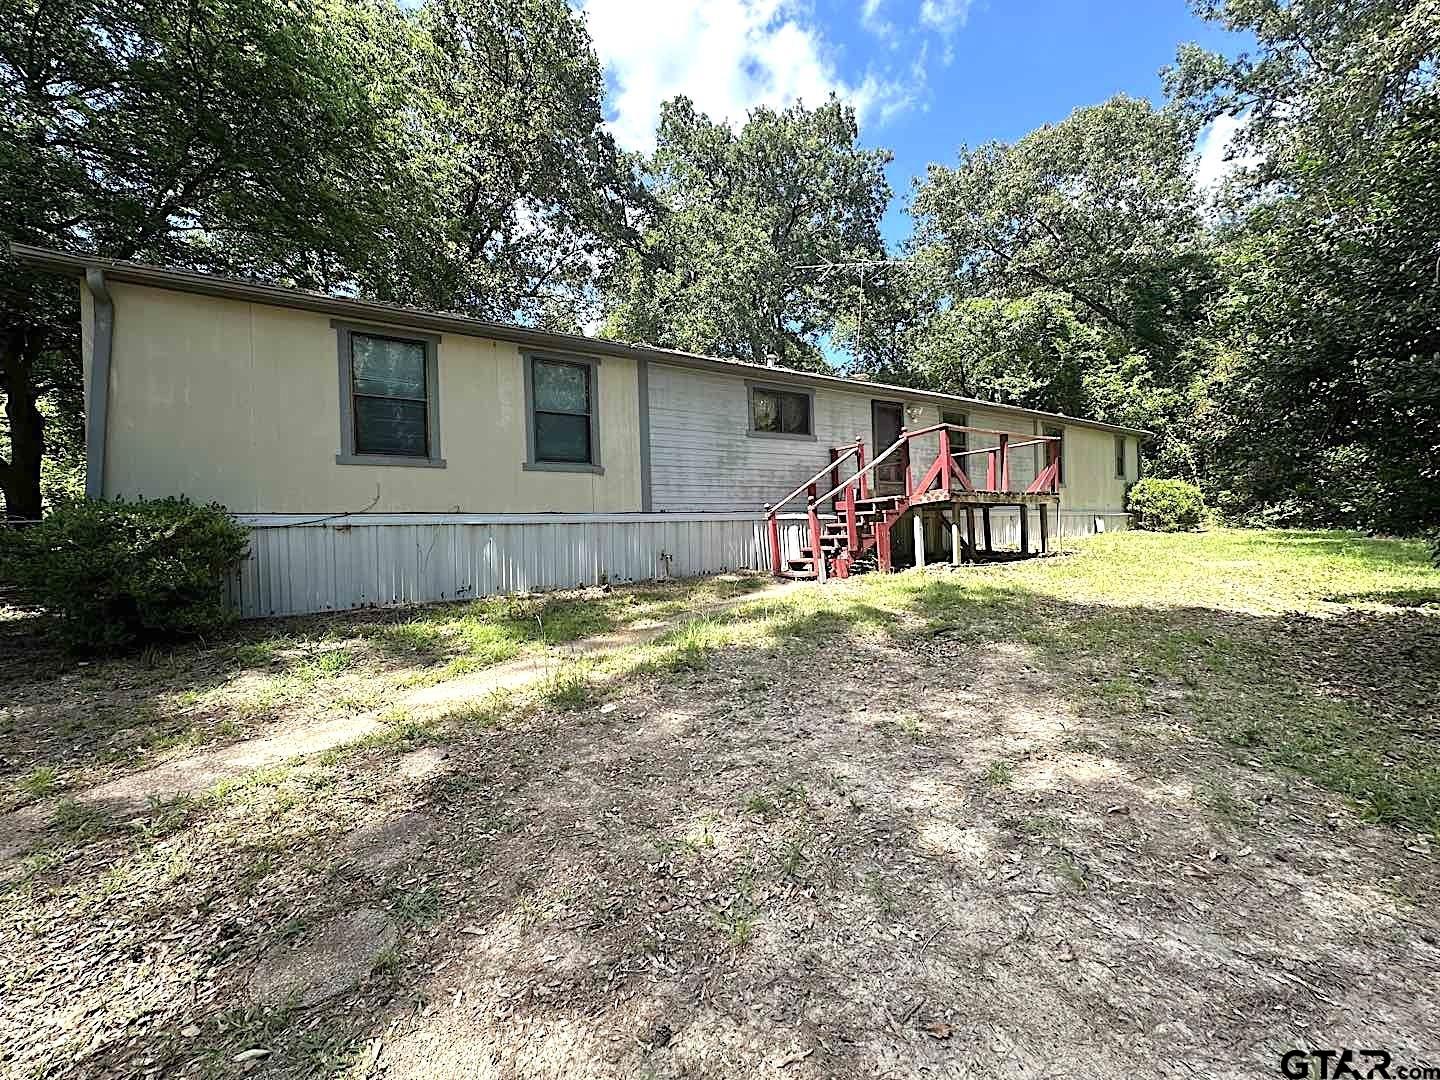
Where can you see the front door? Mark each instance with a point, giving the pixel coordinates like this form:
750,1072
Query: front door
887,418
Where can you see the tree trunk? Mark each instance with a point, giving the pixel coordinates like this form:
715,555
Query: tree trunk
20,344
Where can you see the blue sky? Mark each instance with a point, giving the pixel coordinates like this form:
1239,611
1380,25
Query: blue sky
925,75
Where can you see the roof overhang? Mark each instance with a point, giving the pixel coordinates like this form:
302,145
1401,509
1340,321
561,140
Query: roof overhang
190,281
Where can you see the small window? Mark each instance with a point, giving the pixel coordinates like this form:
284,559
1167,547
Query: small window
387,389
1120,456
780,412
562,414
388,413
959,440
1058,432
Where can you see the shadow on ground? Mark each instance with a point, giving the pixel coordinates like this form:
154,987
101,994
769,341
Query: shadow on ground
943,827
71,722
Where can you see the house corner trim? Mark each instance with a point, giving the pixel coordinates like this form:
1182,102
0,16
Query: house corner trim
98,405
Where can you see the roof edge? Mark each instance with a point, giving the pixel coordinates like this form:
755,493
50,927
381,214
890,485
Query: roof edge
191,281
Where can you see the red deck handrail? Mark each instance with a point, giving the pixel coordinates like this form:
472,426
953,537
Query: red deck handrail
998,468
940,474
772,512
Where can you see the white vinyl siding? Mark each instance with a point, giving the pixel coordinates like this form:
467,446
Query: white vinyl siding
701,459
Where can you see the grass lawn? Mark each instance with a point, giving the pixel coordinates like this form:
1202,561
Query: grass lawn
1083,812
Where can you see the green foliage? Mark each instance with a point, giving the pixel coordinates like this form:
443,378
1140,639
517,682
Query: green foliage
521,197
1326,405
1166,505
1066,272
118,572
452,156
738,213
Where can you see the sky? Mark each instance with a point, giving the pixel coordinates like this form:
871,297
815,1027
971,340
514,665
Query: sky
924,75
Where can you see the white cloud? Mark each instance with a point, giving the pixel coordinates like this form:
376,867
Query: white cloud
946,16
728,56
877,24
1215,160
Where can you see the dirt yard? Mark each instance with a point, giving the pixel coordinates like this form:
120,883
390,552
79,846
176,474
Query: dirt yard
1158,806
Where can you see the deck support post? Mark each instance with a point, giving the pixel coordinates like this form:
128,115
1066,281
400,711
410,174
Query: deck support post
957,553
985,524
773,528
970,529
918,530
1045,527
817,552
1024,529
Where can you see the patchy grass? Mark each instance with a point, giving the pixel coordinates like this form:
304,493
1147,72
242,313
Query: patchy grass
802,822
90,720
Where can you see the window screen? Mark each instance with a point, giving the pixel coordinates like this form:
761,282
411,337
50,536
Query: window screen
389,396
563,412
779,412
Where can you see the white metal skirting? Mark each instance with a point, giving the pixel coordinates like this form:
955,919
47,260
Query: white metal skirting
299,565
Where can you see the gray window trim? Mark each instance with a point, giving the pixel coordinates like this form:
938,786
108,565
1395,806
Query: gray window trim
347,455
642,383
752,385
1122,457
592,363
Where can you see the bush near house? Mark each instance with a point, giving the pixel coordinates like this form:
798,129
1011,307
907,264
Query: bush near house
1166,505
118,572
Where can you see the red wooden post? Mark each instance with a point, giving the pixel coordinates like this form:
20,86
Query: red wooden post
945,463
815,548
1052,460
774,525
852,528
905,460
860,468
1005,462
882,545
990,473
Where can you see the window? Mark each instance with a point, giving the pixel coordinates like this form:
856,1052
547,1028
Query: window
959,440
388,413
1059,432
1120,456
560,394
781,413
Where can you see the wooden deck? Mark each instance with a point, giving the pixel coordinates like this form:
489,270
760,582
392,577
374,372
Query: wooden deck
943,488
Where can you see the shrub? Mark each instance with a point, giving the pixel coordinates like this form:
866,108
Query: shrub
1435,549
119,572
1166,505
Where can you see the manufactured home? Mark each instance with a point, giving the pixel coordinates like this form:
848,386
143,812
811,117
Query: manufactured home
383,454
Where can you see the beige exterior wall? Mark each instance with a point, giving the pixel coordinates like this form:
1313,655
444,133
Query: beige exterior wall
1091,482
240,403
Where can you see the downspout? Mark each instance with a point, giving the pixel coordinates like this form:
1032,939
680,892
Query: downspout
98,405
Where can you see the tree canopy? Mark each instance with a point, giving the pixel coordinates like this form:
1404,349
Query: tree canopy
1066,271
731,254
452,156
1326,392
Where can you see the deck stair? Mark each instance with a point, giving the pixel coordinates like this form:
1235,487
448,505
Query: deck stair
860,532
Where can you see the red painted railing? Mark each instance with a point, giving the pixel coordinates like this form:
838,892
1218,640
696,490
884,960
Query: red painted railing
838,456
945,473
